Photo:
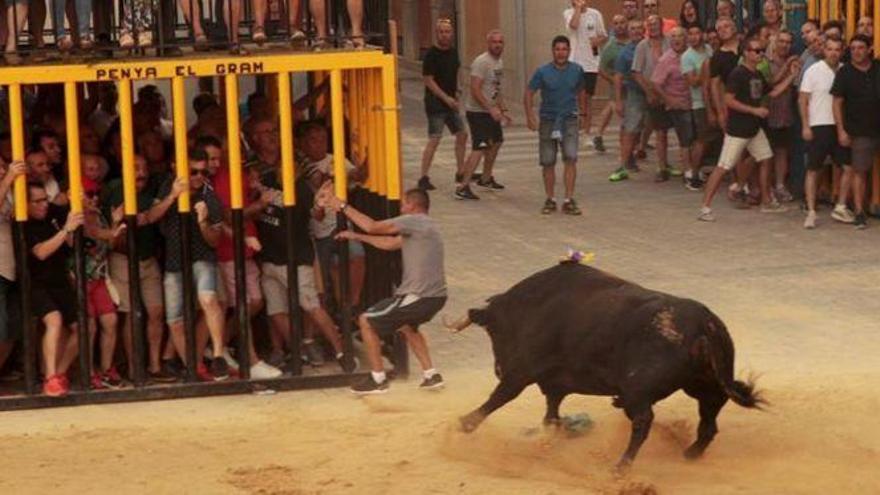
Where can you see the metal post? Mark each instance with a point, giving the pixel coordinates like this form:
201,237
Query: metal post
16,124
130,207
288,187
237,202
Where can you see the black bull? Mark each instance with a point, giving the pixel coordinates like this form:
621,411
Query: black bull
573,329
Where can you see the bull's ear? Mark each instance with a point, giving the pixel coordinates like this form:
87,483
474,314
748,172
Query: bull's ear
479,316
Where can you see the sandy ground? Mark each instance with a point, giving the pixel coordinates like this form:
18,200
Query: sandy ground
802,309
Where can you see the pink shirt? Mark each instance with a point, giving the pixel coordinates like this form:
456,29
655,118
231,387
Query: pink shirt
668,78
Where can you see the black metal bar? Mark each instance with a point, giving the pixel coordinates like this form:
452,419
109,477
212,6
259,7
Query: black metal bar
401,352
295,311
344,287
135,313
160,15
85,354
241,303
178,391
189,309
28,334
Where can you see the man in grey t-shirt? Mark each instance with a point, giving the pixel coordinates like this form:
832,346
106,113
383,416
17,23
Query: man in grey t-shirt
422,291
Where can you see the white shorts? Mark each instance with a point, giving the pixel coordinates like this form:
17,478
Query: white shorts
274,283
731,151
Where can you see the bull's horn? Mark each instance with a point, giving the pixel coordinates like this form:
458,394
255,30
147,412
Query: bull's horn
458,325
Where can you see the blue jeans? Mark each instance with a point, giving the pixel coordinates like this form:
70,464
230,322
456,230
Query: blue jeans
205,283
83,16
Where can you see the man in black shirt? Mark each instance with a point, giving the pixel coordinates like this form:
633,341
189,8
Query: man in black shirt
48,233
274,236
440,72
745,89
856,106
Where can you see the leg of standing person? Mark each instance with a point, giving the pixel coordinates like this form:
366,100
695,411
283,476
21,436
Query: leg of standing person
294,21
36,21
193,14
16,16
84,24
232,18
258,30
356,14
319,16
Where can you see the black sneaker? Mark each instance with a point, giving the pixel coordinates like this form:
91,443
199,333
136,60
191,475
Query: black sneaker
598,144
549,207
632,165
434,383
219,369
348,363
368,386
693,183
490,184
425,184
161,376
173,367
464,192
662,175
569,207
861,221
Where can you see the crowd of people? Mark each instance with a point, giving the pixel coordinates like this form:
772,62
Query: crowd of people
748,99
78,24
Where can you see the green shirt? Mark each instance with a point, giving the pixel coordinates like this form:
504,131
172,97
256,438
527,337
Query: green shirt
609,55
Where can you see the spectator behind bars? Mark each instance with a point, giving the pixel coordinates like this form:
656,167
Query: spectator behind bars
9,333
205,222
40,171
49,232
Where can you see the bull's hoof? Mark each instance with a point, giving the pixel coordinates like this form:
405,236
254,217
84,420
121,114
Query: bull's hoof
693,452
470,422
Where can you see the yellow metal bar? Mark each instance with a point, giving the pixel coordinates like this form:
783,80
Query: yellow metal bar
392,139
126,128
181,158
382,172
370,125
74,168
376,139
823,11
850,18
16,127
876,16
338,122
833,10
150,69
863,7
233,143
285,110
811,9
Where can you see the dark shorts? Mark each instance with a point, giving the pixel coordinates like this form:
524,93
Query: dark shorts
9,329
824,145
390,315
590,80
61,298
864,152
485,131
683,123
779,137
659,119
437,121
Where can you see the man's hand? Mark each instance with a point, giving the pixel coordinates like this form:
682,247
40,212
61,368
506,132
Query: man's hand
201,209
16,170
327,197
253,243
178,187
117,214
268,196
760,112
531,122
453,104
73,222
346,235
807,134
119,230
843,138
496,114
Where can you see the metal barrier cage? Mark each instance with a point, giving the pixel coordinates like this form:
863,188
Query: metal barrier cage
363,104
171,24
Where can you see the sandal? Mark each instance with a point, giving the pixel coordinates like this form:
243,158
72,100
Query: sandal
65,43
86,42
258,35
238,50
358,42
201,43
145,39
126,41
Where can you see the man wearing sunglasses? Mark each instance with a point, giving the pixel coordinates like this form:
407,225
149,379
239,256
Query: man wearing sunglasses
744,92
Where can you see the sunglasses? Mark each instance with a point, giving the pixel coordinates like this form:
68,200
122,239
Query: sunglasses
40,200
198,171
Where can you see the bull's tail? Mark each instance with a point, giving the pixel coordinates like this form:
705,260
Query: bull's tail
721,355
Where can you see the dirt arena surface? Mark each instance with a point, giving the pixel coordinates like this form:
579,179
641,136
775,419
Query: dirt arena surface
802,308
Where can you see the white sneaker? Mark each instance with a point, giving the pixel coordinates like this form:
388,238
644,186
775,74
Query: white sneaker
264,371
810,221
706,215
229,359
773,207
842,214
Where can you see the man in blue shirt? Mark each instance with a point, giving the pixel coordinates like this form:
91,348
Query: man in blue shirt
629,101
563,100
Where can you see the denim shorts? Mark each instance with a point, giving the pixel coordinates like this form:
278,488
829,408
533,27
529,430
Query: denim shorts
548,147
205,282
451,120
634,108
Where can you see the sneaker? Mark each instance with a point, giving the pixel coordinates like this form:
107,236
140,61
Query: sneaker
842,214
861,221
464,192
693,184
549,207
810,221
348,363
662,175
369,386
773,207
56,386
264,371
96,382
111,378
618,175
203,374
161,376
783,195
598,144
674,171
313,353
569,207
172,367
219,369
490,184
434,383
230,361
276,358
425,184
706,215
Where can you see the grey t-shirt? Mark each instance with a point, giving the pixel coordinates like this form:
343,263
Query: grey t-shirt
489,69
422,249
645,61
